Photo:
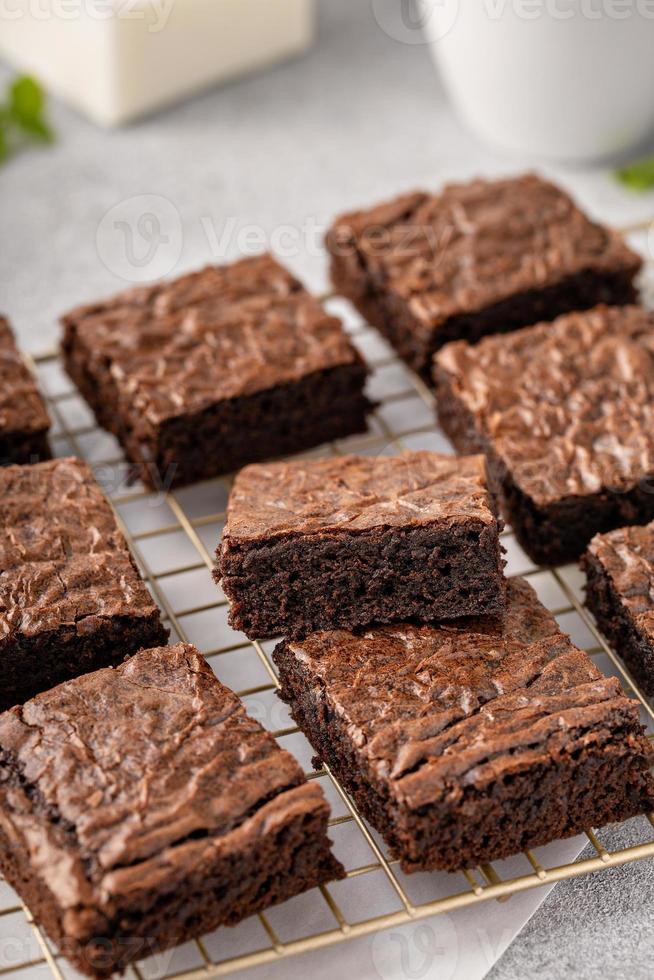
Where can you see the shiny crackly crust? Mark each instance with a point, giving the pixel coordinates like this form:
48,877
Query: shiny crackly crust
627,557
565,408
63,560
475,244
226,331
133,781
432,708
354,494
22,409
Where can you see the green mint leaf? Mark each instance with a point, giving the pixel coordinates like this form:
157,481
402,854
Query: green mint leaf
638,176
22,116
26,99
27,106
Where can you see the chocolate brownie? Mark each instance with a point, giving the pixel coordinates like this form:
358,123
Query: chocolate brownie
349,541
620,593
219,368
140,806
24,420
478,258
565,413
468,742
71,598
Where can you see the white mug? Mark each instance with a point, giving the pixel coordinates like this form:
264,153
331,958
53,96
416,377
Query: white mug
564,79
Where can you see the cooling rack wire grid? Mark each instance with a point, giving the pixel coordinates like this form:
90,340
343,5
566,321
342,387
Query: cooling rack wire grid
173,537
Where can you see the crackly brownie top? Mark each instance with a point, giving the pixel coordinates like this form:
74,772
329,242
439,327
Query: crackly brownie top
476,244
434,709
63,560
22,409
627,557
354,494
568,406
138,777
223,332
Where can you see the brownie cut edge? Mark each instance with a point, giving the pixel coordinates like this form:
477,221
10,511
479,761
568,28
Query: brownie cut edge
619,570
469,742
477,258
568,432
216,369
346,542
71,597
169,814
24,419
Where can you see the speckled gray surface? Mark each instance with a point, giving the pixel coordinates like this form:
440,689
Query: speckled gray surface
362,116
597,926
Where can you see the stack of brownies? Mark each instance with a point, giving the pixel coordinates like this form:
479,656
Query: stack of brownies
139,804
463,722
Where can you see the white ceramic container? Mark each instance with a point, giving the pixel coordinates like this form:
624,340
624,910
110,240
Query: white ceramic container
565,79
119,59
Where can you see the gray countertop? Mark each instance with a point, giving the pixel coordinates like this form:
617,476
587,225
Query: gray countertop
360,117
597,926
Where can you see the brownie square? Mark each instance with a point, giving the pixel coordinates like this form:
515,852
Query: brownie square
478,258
71,598
620,594
24,420
469,742
346,542
170,812
219,368
565,414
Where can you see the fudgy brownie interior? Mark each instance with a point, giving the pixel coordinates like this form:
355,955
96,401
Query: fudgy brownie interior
466,743
345,542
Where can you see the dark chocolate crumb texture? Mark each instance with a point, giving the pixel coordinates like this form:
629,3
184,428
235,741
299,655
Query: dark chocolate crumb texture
468,742
620,594
24,420
565,414
348,541
71,597
141,807
478,258
223,367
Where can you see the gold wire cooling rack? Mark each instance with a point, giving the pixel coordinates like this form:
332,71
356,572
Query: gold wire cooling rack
173,536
